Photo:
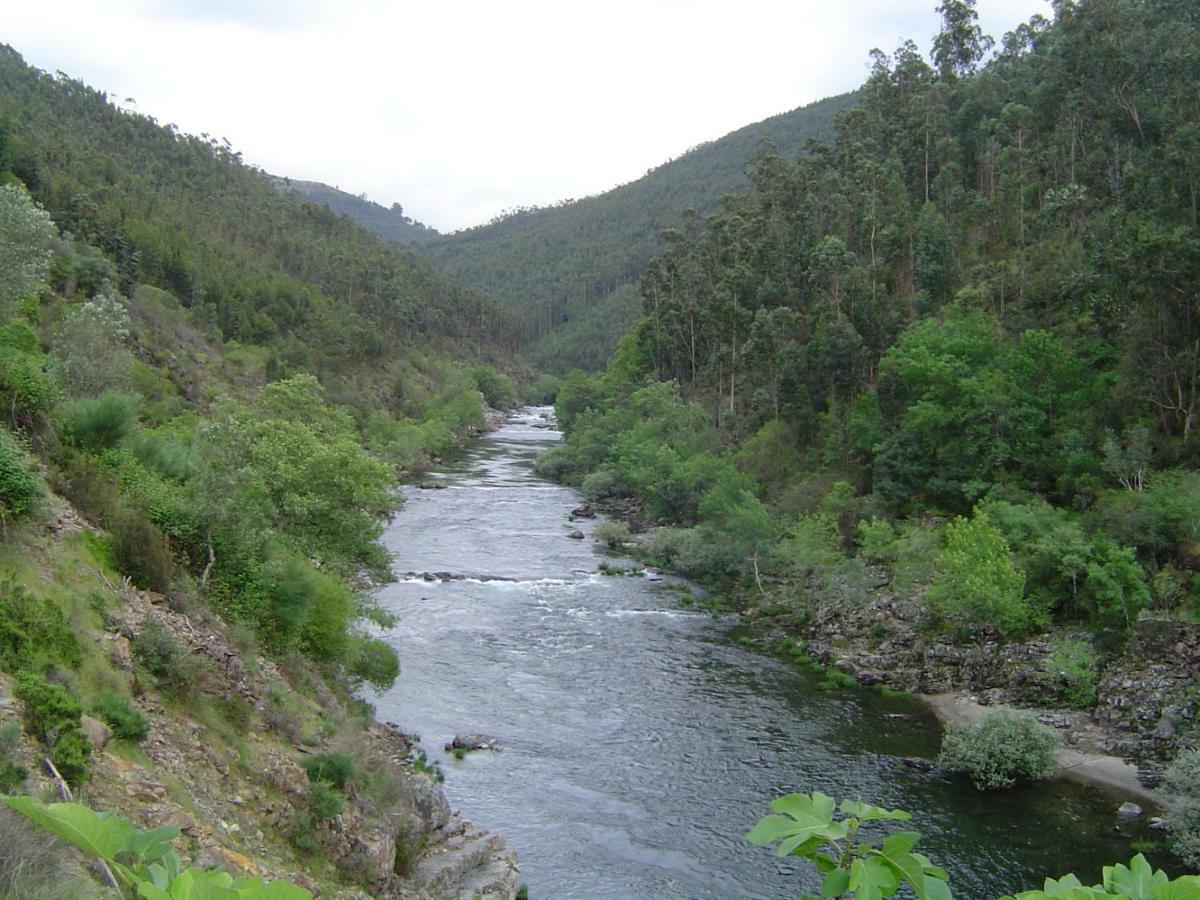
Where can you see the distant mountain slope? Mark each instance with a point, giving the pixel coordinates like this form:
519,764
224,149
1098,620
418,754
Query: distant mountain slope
386,222
563,265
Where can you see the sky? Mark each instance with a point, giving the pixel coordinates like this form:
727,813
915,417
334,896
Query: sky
459,110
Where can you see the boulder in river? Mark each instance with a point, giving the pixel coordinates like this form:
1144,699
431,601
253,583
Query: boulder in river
472,742
1129,810
576,535
584,512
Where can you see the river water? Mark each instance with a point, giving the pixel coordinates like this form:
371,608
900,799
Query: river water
639,740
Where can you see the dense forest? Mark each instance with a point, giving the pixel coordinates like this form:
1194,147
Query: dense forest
963,333
209,388
572,268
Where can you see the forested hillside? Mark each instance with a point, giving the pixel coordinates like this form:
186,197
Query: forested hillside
388,222
209,387
958,345
572,268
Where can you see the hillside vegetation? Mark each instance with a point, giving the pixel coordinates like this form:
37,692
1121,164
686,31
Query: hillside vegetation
572,268
389,222
209,388
958,346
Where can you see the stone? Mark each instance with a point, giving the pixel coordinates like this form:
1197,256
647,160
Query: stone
121,653
1165,729
1129,810
1158,823
472,742
576,535
97,732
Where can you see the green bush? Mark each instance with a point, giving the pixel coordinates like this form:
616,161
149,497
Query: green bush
543,391
53,716
612,533
1006,747
601,484
141,549
322,802
157,651
12,773
335,769
977,582
125,719
1180,793
1073,667
102,423
373,661
877,541
19,487
497,389
34,634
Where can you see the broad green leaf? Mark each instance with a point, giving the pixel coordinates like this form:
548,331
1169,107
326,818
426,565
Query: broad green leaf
101,835
1186,888
835,883
254,889
936,888
906,867
1137,880
770,829
865,812
148,891
799,845
153,844
198,884
871,879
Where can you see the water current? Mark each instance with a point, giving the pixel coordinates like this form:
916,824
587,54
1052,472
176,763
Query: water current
640,741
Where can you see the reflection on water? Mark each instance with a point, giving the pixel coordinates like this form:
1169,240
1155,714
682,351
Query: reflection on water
640,742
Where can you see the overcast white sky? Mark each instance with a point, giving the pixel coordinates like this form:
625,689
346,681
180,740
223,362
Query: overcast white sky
458,110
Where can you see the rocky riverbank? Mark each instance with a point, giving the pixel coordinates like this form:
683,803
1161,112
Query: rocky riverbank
1145,695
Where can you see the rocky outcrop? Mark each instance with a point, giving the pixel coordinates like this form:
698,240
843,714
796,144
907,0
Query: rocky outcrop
1146,695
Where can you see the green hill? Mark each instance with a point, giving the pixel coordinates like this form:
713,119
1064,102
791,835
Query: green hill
386,222
572,269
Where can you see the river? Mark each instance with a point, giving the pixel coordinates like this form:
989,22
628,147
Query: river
640,741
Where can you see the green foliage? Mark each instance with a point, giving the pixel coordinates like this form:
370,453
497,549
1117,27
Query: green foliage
1073,668
126,720
543,391
1006,747
34,633
335,769
612,533
53,716
977,582
12,773
20,489
373,661
26,233
144,863
140,549
877,541
1136,881
89,357
101,423
816,828
497,389
322,802
1180,792
157,650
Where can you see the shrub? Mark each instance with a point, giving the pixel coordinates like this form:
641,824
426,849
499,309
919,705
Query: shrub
497,389
102,423
12,773
125,720
1180,793
543,391
877,541
601,484
322,802
612,533
335,769
1005,748
977,582
52,715
373,661
157,651
141,549
34,634
1072,663
19,487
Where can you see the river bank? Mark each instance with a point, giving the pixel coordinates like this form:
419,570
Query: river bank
1145,705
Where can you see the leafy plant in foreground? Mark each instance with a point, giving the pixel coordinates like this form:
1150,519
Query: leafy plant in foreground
806,825
143,863
1137,881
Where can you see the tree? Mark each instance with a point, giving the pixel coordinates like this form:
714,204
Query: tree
26,232
90,355
977,583
960,45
